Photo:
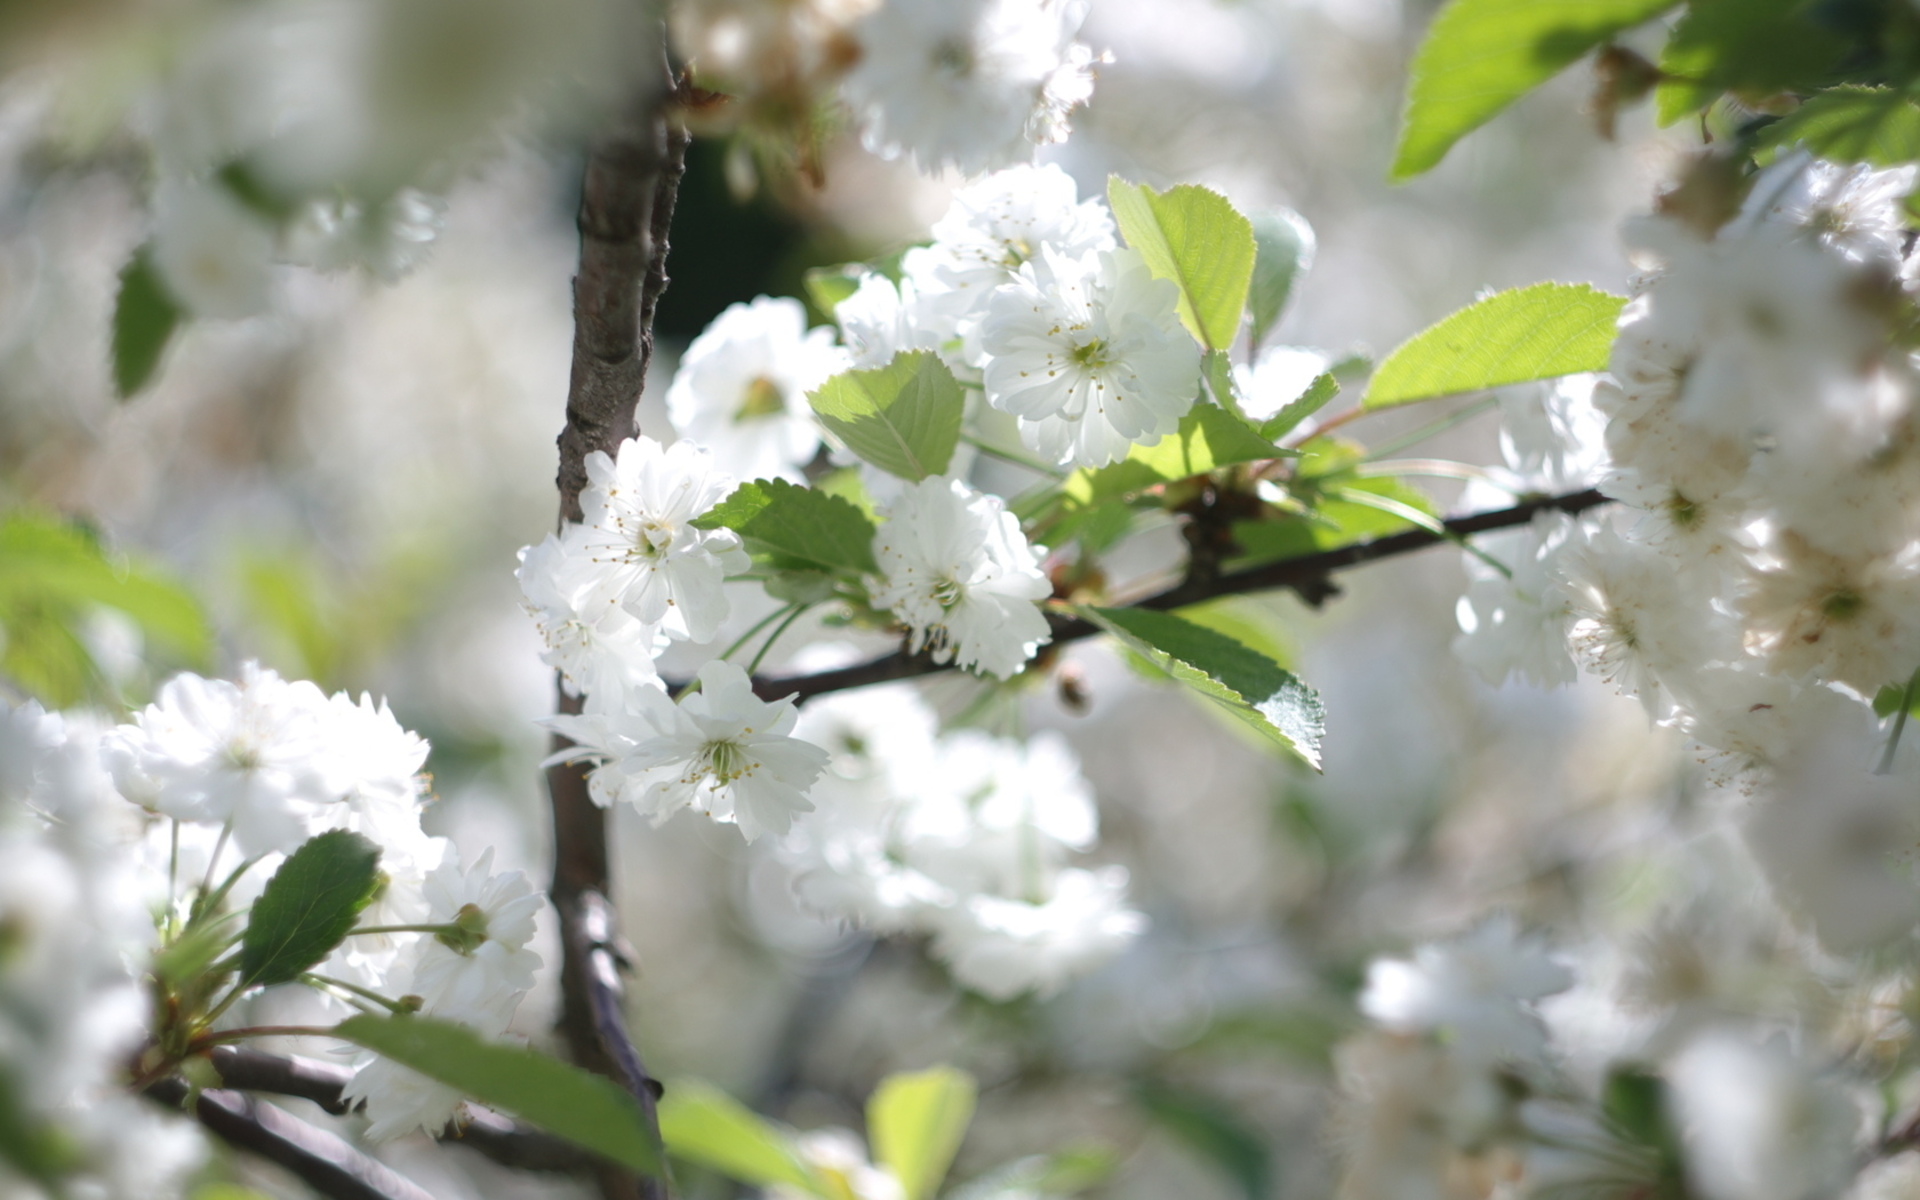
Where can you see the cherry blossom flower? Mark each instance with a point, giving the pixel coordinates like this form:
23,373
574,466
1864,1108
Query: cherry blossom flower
741,389
1090,355
957,571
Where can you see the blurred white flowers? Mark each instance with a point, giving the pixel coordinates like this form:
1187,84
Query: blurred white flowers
741,389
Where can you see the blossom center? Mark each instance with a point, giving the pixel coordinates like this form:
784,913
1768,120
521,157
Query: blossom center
1094,355
1843,605
763,398
467,931
727,761
954,56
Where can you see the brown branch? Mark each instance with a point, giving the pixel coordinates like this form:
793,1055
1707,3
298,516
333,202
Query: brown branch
323,1161
1309,575
627,198
506,1141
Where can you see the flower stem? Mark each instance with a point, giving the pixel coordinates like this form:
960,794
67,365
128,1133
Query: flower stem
1013,456
746,637
775,636
1899,727
316,980
434,929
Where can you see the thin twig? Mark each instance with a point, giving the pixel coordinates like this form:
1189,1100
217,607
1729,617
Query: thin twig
323,1161
504,1140
1308,574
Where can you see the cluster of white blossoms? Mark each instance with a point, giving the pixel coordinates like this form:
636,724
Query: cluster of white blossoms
216,782
1758,586
963,838
76,935
1023,292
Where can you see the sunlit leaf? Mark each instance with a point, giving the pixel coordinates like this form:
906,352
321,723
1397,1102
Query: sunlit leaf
1542,331
1851,124
1284,246
1196,238
702,1124
308,907
798,528
916,1121
903,418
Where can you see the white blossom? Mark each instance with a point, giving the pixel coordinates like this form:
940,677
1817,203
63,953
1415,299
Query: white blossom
1855,208
639,511
1757,1124
1516,625
1003,946
957,571
721,751
213,253
1475,990
610,652
971,84
741,388
1090,355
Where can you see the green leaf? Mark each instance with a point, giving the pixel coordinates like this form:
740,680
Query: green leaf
916,1121
52,574
1850,124
1751,46
144,318
31,1146
1260,692
1284,247
702,1124
1318,395
828,286
903,418
1209,438
1482,55
1066,1173
1537,332
584,1108
1213,1132
1194,237
308,907
797,528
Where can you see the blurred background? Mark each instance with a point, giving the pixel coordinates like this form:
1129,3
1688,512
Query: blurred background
345,477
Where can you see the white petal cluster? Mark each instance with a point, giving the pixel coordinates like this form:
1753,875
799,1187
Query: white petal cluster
969,84
957,571
272,760
741,389
1090,354
721,751
76,928
964,837
1474,992
476,974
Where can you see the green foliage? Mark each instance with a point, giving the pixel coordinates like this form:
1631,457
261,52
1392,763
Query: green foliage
916,1121
308,907
794,528
584,1108
1482,55
1283,243
828,286
903,418
144,318
1538,332
1067,1173
1850,124
1318,395
1754,47
32,1149
702,1124
1209,438
1263,695
1194,237
52,575
1213,1132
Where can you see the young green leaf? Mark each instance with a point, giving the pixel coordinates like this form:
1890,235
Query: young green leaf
916,1121
1194,237
1537,332
1318,395
1481,55
1209,437
828,286
1261,693
797,528
1761,46
1850,124
584,1108
144,318
1213,1132
1284,246
903,418
1066,1173
308,907
702,1124
54,563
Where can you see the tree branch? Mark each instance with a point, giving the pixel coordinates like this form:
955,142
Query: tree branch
502,1139
323,1161
627,197
1309,575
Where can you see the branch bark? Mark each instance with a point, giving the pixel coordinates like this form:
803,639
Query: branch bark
631,182
1310,575
323,1161
506,1141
